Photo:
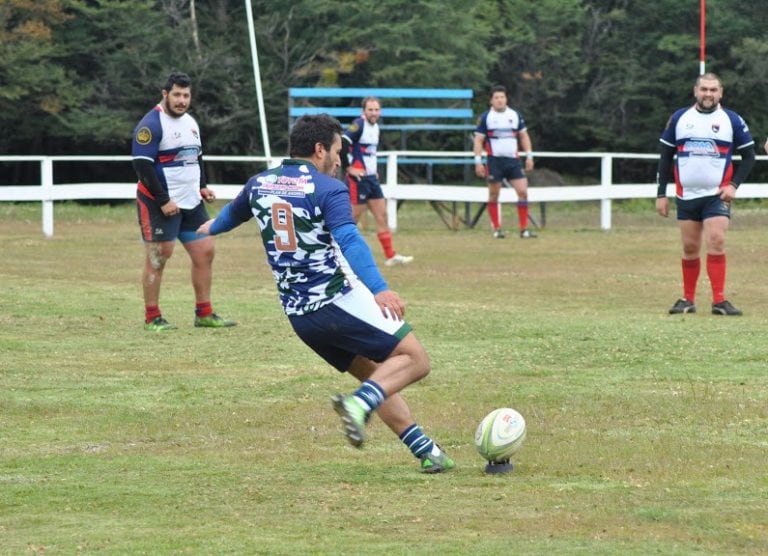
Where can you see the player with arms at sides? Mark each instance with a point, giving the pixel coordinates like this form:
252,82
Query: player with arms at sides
353,321
358,160
167,157
704,137
500,134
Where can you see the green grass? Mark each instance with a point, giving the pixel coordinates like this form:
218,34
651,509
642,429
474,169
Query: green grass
647,433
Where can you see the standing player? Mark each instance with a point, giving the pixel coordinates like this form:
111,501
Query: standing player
704,137
308,232
361,140
500,132
167,156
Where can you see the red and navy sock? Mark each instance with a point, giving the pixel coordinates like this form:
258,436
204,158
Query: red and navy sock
495,215
385,238
151,312
522,214
691,270
203,309
716,272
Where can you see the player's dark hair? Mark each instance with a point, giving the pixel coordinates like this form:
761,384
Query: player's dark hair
710,76
498,89
310,130
366,100
177,78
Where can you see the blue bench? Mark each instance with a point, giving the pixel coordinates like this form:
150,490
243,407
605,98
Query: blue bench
443,110
454,112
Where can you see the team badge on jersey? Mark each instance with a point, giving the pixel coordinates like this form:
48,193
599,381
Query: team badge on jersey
143,136
715,128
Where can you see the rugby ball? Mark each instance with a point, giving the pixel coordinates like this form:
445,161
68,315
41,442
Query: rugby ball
500,434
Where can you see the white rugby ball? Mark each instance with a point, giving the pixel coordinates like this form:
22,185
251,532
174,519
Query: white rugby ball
500,434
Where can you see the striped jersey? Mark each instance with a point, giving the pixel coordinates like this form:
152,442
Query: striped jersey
705,143
501,130
363,137
173,145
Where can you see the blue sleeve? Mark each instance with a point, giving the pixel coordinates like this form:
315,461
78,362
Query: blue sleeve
234,213
354,131
668,136
741,135
359,257
147,136
482,124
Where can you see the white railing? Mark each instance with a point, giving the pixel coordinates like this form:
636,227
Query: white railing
605,191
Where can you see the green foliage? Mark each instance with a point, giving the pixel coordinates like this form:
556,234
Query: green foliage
587,74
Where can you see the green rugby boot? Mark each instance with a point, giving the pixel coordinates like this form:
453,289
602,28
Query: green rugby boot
353,418
213,321
436,461
158,324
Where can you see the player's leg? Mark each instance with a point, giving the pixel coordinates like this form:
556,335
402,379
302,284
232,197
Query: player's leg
201,250
378,207
520,185
690,236
494,208
159,233
715,229
156,254
357,197
396,414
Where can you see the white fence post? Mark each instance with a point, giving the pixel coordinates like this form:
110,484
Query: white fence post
606,179
46,182
392,182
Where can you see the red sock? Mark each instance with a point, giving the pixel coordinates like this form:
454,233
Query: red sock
493,214
385,238
203,309
522,214
691,269
716,273
151,312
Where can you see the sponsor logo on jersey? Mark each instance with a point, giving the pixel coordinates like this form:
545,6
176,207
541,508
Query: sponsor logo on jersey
700,147
143,136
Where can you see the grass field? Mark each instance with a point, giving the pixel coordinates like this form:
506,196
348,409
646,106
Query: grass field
647,433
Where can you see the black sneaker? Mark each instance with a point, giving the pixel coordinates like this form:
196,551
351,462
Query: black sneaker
527,234
682,306
725,308
499,234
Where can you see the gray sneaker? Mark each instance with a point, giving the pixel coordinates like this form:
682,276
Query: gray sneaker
683,306
725,308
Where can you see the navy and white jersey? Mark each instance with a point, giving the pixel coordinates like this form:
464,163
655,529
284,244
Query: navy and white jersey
173,145
363,137
705,143
296,207
500,130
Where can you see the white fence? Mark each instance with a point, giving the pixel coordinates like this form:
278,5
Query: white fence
605,191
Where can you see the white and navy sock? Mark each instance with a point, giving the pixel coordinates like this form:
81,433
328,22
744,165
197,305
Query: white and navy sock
370,395
418,442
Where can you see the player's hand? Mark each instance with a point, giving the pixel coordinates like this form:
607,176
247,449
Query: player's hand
208,195
529,164
170,208
728,193
765,147
205,227
480,170
662,206
391,305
